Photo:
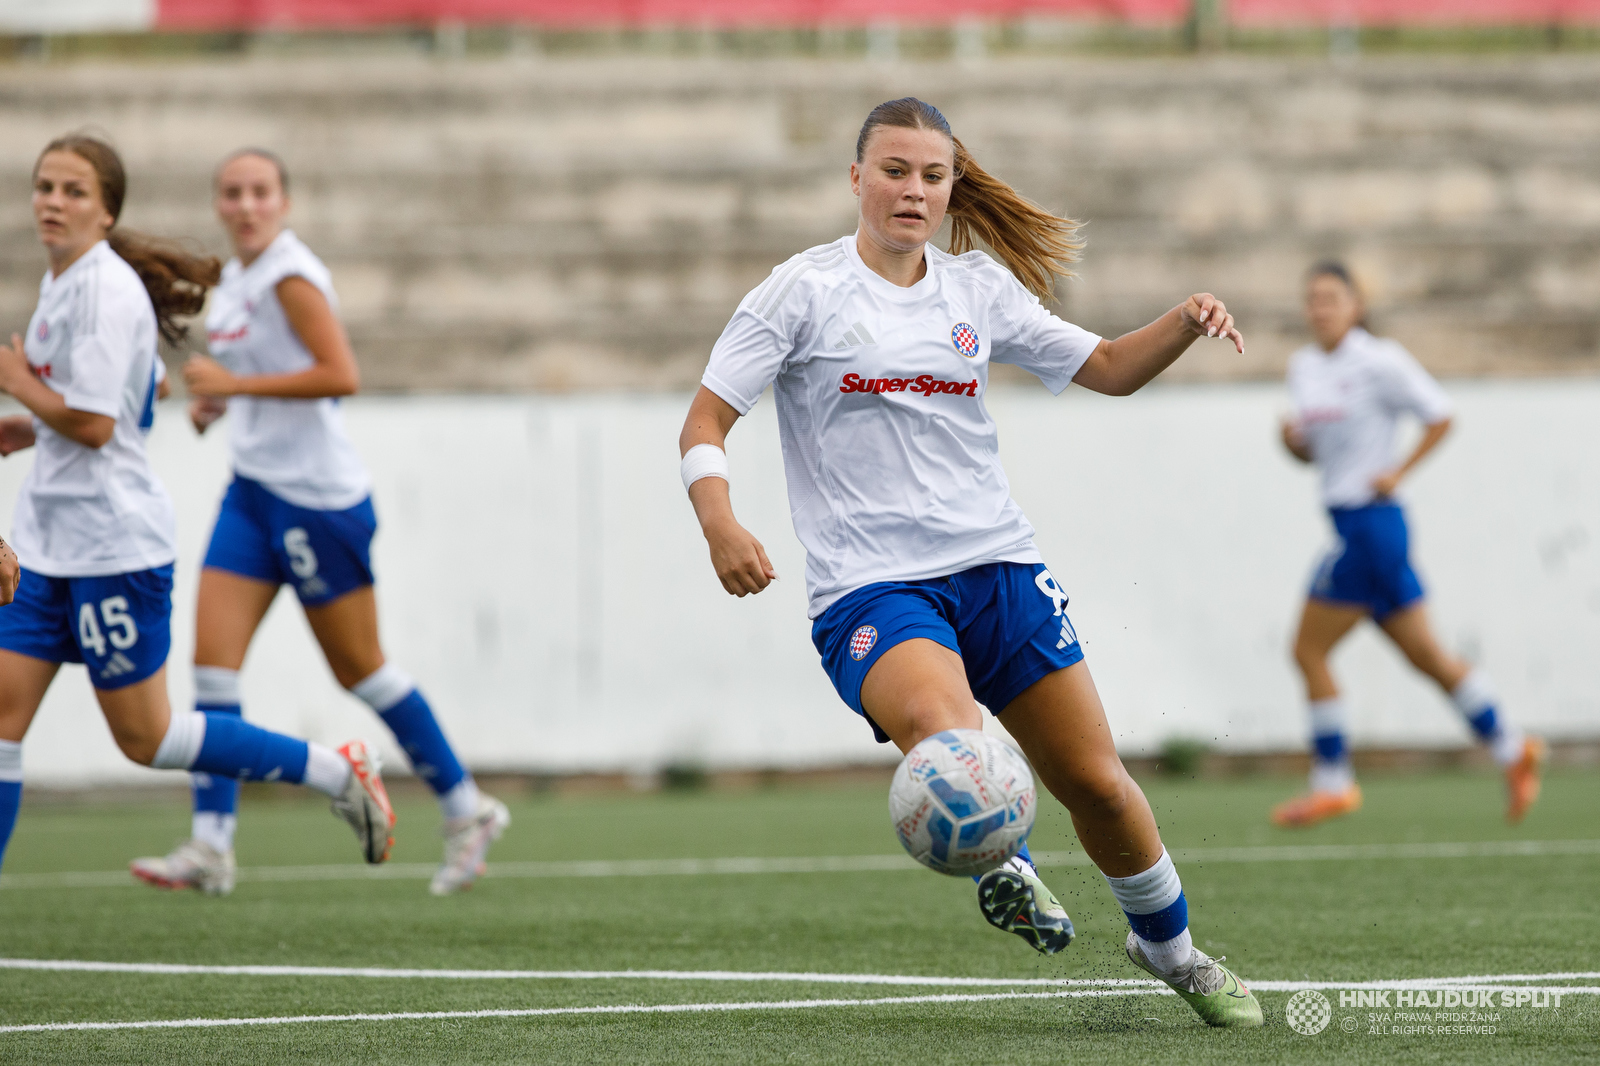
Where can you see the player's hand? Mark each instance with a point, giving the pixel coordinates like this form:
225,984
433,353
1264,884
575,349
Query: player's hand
1205,315
16,433
207,377
1385,484
13,364
739,559
204,410
10,573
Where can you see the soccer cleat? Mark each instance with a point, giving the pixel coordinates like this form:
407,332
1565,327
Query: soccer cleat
365,803
466,842
1314,807
1214,991
1014,899
192,864
1523,779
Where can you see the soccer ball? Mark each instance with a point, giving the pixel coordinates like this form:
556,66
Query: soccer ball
962,802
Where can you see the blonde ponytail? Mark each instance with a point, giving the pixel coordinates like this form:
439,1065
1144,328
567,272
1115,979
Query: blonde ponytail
1036,245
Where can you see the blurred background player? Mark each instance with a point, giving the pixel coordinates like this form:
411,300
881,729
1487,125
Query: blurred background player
299,512
926,587
94,527
1348,391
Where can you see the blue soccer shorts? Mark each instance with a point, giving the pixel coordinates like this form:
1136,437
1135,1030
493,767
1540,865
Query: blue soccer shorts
1007,621
1371,566
119,626
322,554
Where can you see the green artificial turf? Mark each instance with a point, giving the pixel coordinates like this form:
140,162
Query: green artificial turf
1342,920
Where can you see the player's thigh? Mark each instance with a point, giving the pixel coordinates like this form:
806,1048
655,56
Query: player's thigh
1323,624
916,689
23,682
347,630
138,715
1412,632
228,611
1061,725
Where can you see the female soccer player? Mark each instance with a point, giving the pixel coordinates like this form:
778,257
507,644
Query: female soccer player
926,588
94,527
1348,391
299,512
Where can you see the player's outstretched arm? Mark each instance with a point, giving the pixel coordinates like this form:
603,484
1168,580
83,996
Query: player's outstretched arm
88,428
739,559
1127,364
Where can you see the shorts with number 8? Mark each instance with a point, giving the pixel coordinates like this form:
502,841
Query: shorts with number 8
322,554
119,625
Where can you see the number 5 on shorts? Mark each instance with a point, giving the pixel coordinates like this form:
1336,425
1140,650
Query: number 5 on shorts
119,626
302,560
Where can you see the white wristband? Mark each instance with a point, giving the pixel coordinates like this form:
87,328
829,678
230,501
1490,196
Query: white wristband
703,460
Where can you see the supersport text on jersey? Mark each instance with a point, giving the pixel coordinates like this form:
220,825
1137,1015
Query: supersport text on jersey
1347,405
298,449
91,512
891,456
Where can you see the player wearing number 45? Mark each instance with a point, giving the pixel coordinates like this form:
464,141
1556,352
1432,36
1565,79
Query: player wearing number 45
927,592
299,512
94,528
1349,390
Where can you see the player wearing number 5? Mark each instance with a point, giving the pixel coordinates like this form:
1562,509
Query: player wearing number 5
93,525
299,512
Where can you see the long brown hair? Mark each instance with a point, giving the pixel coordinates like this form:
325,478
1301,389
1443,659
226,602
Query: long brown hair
1036,245
175,277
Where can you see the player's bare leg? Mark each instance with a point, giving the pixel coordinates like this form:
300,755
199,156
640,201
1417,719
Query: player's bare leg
1332,791
1521,757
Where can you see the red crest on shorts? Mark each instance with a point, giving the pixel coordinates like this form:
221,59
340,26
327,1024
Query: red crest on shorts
861,642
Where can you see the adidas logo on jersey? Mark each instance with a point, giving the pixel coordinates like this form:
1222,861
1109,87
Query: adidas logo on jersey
855,337
116,666
925,384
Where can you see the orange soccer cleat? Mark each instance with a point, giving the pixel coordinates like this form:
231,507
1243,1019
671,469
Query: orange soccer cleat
1524,777
1314,807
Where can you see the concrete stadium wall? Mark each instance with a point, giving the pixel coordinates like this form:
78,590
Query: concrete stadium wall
541,573
590,223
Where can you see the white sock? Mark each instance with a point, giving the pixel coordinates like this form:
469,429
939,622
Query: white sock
211,827
216,685
461,801
1168,956
1332,776
326,770
1151,892
186,732
10,760
1473,693
385,687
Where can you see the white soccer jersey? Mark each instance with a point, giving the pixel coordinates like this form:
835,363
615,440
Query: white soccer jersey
1347,404
893,462
296,448
89,512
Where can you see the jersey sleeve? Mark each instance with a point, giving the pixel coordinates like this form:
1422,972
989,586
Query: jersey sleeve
297,261
1029,336
1406,386
103,352
760,337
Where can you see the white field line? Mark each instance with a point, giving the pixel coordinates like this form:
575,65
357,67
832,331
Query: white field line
830,863
678,1008
545,1012
1496,982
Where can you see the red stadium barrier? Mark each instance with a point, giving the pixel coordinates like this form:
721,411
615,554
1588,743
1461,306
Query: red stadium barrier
290,14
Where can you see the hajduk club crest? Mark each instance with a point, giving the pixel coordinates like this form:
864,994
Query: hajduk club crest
965,338
861,642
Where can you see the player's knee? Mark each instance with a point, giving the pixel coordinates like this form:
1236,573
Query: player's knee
137,744
1101,788
1307,656
926,713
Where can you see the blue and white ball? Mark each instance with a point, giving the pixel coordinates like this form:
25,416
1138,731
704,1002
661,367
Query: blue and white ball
963,802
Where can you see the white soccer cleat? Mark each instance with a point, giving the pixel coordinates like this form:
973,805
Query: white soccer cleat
466,842
365,803
192,864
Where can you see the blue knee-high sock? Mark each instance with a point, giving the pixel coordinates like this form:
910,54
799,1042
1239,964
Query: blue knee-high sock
10,790
235,748
1023,855
216,691
414,726
395,697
